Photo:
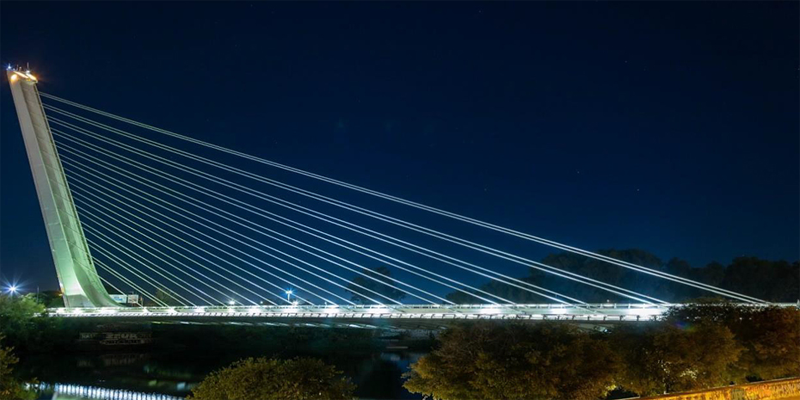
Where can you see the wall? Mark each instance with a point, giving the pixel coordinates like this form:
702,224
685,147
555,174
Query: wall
769,390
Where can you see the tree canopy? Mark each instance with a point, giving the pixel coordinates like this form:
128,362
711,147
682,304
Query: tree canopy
769,336
696,346
166,296
379,283
775,281
274,379
17,319
10,387
663,358
487,360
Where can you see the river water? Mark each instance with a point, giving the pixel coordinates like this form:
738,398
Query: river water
151,376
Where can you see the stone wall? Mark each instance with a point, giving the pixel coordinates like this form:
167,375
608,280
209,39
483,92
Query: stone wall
768,390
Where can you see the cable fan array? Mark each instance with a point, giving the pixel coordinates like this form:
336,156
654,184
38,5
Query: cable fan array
182,221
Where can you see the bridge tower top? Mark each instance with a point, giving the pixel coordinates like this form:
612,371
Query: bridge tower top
77,275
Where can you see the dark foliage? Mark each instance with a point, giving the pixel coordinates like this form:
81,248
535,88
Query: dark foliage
379,283
265,379
663,358
775,281
490,360
695,347
769,336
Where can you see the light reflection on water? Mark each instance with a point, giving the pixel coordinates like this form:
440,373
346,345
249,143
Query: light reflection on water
62,391
143,376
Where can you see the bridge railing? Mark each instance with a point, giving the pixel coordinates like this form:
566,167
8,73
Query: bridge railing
578,312
635,312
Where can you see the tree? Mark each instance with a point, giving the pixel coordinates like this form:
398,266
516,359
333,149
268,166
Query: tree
770,336
51,299
488,360
582,265
777,281
10,388
380,284
18,322
274,379
168,297
662,358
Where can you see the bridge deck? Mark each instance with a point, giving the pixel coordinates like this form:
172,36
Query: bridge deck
583,312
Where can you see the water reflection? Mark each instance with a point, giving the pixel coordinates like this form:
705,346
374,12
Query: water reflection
172,376
63,391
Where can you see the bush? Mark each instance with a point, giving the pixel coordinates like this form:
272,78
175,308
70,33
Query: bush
25,327
274,379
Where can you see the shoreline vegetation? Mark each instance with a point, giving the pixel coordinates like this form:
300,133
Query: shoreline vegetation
694,347
705,344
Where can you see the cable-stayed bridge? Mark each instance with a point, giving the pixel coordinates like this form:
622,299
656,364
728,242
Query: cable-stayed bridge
203,231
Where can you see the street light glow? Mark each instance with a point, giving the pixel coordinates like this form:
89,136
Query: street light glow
12,289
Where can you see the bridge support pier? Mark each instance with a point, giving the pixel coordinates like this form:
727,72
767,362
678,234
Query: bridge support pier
77,275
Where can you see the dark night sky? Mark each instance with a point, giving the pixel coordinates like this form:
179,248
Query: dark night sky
669,126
